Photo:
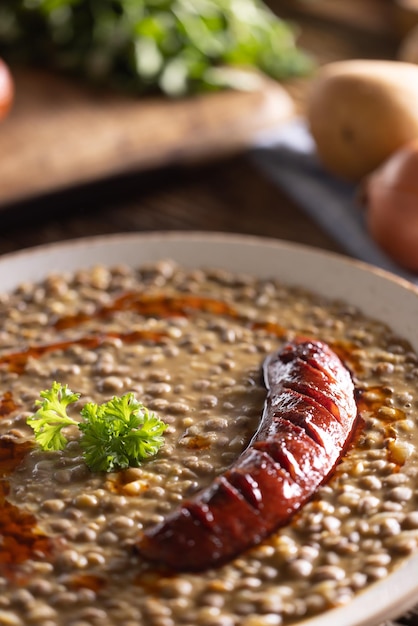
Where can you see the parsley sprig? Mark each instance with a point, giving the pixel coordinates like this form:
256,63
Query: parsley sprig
171,46
115,435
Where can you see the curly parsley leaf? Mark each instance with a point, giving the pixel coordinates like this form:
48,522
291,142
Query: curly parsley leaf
51,417
120,433
115,435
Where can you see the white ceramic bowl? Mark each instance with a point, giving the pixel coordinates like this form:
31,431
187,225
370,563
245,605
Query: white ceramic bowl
377,293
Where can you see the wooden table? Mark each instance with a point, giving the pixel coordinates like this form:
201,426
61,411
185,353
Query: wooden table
228,194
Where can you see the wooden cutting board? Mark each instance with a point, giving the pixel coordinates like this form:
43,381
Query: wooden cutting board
61,133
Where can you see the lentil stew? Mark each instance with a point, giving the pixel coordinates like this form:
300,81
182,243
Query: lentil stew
190,344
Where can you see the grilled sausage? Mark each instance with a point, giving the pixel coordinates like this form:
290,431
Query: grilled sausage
308,417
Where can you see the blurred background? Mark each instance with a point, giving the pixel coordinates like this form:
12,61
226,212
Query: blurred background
77,161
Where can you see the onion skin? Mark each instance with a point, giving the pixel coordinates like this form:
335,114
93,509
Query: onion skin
390,195
6,90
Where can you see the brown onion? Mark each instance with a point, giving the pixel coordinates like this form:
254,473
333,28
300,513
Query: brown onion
6,89
390,194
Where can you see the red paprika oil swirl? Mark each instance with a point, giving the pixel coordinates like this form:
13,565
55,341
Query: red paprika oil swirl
20,538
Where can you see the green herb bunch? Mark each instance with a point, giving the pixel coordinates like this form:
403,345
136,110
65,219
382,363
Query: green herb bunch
172,46
115,435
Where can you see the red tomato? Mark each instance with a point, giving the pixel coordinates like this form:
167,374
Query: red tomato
6,89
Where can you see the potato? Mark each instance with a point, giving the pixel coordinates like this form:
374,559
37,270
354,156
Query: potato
361,111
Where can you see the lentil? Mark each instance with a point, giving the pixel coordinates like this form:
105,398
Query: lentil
200,372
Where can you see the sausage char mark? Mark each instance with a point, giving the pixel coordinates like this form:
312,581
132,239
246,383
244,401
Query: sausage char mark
309,414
